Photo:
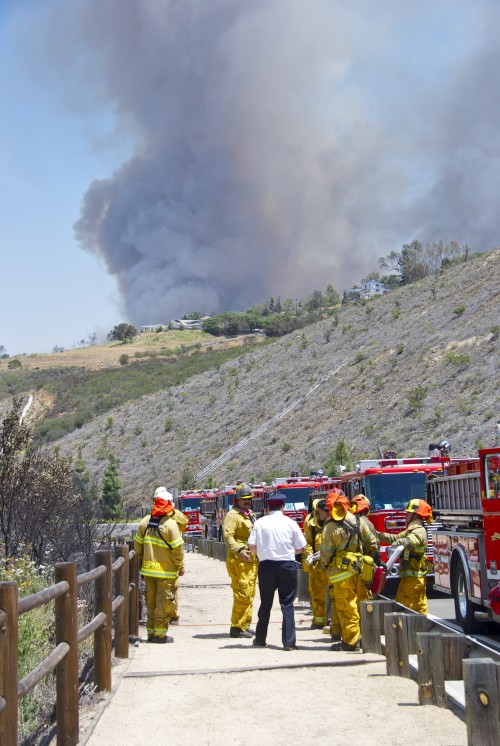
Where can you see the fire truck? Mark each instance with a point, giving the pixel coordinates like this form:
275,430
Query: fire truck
466,501
298,490
390,484
188,502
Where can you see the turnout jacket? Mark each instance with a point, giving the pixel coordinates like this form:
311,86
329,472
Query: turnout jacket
413,562
313,531
162,550
236,530
181,519
343,545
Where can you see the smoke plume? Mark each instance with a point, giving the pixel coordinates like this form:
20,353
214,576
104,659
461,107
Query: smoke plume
282,144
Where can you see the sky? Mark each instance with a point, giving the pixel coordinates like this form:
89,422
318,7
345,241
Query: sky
162,156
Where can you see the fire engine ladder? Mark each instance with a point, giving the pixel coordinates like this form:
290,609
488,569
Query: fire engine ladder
228,455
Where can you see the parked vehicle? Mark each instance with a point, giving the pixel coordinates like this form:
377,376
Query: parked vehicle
466,501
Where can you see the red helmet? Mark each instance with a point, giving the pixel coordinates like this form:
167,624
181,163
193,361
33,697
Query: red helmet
337,504
359,504
420,508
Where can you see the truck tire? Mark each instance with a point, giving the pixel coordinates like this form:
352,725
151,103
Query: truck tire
464,608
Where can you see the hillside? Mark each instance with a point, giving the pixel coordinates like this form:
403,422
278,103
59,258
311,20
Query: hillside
417,365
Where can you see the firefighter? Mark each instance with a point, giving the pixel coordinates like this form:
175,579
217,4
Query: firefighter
360,506
413,563
241,563
318,578
182,521
159,543
346,539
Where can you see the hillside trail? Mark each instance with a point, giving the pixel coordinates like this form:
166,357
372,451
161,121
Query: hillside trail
209,689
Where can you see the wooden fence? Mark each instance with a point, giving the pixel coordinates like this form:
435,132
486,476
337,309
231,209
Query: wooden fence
442,655
116,597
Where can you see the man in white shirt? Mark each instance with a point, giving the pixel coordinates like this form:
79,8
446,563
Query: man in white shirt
276,539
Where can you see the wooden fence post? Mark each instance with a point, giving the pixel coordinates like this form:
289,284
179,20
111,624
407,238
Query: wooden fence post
372,624
66,612
8,664
416,623
121,613
431,690
102,636
396,645
482,701
133,599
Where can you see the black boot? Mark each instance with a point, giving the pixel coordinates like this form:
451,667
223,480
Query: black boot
237,632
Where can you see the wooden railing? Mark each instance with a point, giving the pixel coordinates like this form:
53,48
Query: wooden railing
123,605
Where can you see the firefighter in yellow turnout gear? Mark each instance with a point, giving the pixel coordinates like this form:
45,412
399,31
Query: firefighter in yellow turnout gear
160,545
412,590
241,564
346,539
318,577
360,506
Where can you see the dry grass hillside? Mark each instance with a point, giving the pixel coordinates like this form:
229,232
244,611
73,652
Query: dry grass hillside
108,355
417,365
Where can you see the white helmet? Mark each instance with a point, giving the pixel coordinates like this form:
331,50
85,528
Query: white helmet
163,493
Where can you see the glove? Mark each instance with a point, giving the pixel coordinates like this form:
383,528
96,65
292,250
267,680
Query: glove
311,558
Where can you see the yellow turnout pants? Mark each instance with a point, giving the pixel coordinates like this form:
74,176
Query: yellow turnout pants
159,603
346,594
317,591
243,578
412,592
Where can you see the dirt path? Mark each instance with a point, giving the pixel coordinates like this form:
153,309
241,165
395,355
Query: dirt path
209,689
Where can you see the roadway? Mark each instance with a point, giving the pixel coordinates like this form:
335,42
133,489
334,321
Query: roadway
442,606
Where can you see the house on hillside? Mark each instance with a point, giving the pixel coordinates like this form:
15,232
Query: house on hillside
367,290
188,324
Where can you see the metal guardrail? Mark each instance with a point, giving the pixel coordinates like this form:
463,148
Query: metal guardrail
443,655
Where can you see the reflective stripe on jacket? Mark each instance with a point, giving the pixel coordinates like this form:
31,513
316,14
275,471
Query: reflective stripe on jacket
162,556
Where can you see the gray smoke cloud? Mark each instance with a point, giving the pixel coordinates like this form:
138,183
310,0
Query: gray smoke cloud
282,144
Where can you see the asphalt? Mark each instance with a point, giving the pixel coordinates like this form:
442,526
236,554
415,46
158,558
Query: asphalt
210,689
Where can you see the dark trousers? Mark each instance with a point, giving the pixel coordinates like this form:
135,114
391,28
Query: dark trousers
280,575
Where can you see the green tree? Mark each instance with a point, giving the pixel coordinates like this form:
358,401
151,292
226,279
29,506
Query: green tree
212,325
341,456
111,497
122,333
332,296
35,488
187,479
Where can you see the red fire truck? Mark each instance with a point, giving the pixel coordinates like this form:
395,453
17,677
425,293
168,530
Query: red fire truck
389,484
188,502
466,501
298,490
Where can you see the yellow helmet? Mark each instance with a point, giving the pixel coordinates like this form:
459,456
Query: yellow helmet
243,491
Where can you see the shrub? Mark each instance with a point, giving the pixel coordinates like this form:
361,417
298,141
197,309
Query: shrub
459,310
15,363
495,331
36,640
461,360
168,424
286,447
123,359
416,398
396,313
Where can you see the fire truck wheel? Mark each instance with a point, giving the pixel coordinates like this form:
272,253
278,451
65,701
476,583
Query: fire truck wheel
464,608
